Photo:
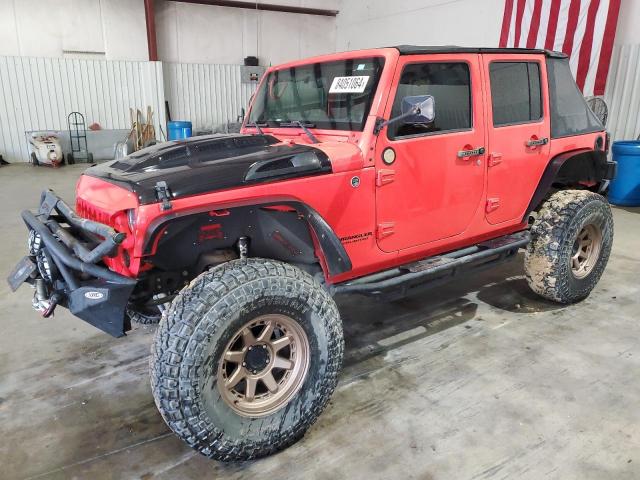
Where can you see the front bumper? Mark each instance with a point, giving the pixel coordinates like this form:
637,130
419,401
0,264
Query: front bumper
63,265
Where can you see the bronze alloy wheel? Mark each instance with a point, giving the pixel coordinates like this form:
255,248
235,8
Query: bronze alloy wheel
263,365
586,250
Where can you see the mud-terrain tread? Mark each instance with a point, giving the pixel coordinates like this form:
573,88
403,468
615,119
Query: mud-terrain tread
546,267
172,379
143,318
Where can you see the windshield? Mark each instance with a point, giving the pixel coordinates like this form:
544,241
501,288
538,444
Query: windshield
330,95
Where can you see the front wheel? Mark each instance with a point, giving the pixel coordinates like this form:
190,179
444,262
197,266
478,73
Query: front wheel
246,358
571,241
144,315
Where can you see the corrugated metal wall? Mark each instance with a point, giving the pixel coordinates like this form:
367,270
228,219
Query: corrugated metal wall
623,93
206,95
39,93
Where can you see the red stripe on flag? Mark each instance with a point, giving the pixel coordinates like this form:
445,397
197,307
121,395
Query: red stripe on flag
572,24
584,59
607,47
519,15
554,11
535,25
506,23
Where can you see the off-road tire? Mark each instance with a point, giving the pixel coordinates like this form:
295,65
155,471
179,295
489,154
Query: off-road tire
143,318
553,234
70,159
193,333
34,159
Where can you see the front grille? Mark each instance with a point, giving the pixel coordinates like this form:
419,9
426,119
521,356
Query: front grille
87,210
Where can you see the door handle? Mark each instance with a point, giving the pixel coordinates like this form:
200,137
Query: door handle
535,142
471,153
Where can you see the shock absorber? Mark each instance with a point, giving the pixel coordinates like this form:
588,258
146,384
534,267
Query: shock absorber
243,247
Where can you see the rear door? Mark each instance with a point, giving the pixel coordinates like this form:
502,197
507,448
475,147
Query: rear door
518,126
430,179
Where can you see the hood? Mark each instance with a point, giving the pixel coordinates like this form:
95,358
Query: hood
209,163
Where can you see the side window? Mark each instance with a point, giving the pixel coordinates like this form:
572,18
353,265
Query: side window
515,92
450,86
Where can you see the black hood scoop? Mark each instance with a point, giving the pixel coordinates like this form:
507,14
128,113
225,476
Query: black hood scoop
214,162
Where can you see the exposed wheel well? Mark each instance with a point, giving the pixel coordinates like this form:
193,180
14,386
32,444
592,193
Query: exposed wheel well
585,169
182,247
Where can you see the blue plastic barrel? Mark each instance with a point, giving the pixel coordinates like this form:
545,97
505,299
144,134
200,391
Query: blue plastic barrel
625,188
178,130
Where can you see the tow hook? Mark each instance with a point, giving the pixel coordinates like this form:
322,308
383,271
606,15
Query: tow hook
53,303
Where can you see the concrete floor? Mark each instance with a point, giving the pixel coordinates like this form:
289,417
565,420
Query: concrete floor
479,380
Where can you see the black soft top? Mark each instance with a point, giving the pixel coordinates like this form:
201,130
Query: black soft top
421,50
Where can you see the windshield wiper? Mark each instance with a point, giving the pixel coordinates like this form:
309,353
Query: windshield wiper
298,123
256,125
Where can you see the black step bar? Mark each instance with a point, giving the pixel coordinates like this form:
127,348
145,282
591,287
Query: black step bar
439,268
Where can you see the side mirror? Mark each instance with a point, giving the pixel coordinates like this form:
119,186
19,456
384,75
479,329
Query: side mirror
419,109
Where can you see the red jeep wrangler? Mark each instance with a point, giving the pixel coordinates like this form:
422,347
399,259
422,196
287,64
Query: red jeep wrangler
374,172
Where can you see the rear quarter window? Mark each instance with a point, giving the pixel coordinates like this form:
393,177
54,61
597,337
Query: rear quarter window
570,114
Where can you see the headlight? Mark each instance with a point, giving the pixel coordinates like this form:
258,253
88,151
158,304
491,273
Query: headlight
34,242
46,267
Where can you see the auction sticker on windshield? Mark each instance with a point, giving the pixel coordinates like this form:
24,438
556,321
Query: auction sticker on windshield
349,84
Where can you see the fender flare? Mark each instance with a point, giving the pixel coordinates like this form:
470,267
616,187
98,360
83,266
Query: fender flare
570,167
335,256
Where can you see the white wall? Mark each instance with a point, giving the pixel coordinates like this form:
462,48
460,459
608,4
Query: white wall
116,30
623,83
377,23
207,95
374,23
108,29
628,32
194,33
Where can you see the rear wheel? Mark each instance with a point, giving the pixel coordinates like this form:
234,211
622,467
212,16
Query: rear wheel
571,241
246,358
34,159
70,159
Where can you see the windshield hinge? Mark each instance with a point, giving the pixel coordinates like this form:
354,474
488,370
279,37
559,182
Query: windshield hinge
163,194
378,125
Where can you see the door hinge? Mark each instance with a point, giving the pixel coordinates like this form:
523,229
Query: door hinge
385,229
492,204
163,195
384,177
494,159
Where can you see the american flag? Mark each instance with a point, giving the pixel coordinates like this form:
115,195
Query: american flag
583,29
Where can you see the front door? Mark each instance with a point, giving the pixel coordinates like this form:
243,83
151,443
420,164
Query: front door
518,146
430,178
